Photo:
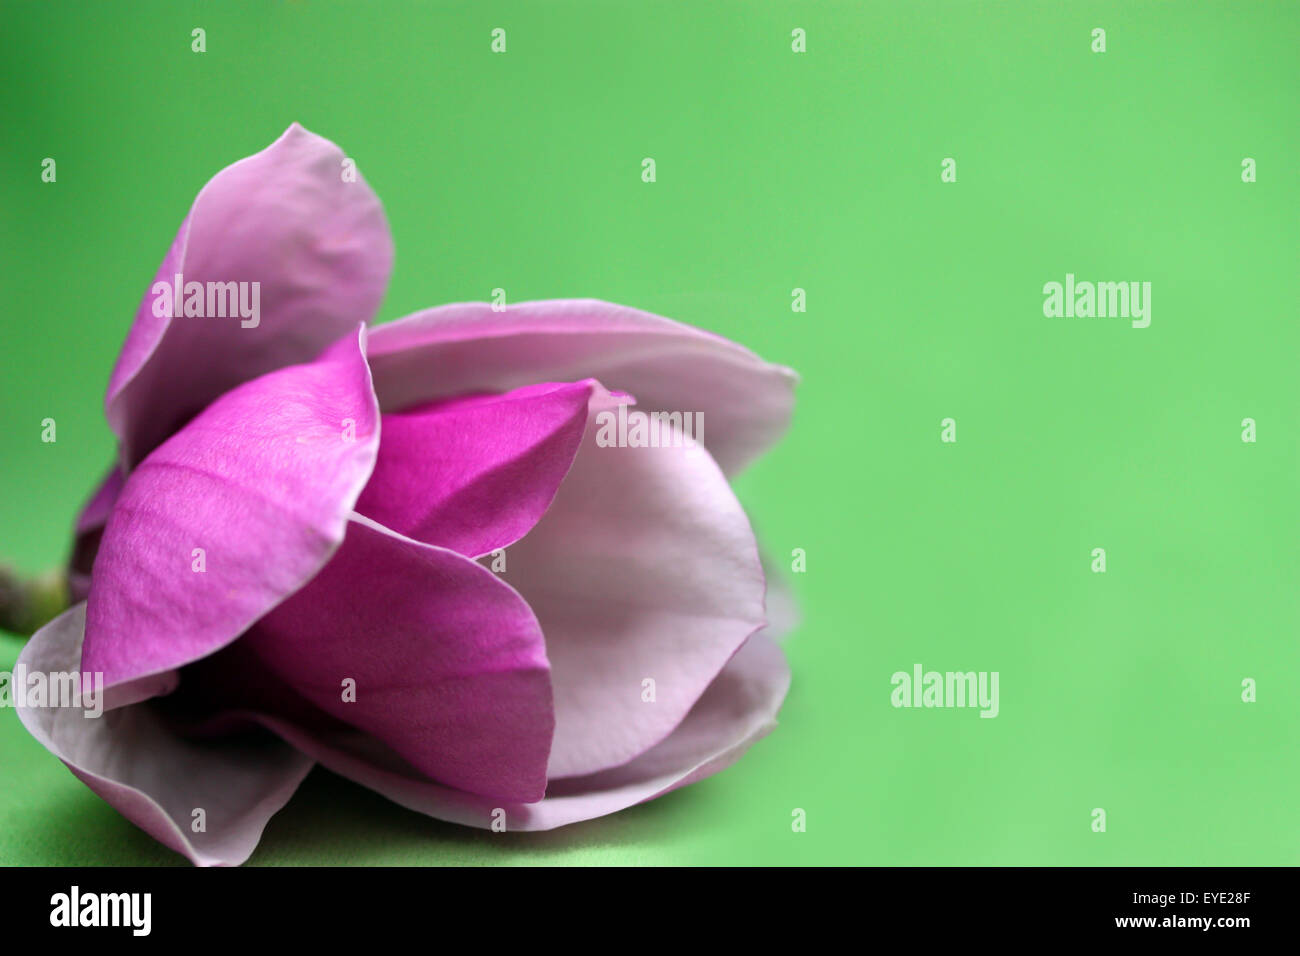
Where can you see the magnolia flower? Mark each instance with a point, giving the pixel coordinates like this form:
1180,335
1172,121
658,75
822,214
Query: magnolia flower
401,553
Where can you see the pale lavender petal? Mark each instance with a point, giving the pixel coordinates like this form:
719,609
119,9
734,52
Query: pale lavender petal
154,777
258,488
780,603
446,663
645,576
739,708
474,474
668,366
286,218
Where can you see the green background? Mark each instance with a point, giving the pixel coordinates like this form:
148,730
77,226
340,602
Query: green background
778,170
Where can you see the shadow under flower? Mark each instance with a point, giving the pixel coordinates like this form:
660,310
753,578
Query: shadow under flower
332,821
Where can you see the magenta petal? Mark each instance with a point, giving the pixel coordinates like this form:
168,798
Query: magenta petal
286,218
645,576
739,708
668,366
258,488
447,664
474,474
155,778
95,514
89,530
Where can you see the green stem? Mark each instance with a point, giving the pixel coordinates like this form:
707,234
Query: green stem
27,603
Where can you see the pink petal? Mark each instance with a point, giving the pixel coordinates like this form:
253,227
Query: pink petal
668,366
447,662
95,514
89,530
284,217
154,777
262,481
475,474
643,569
738,709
